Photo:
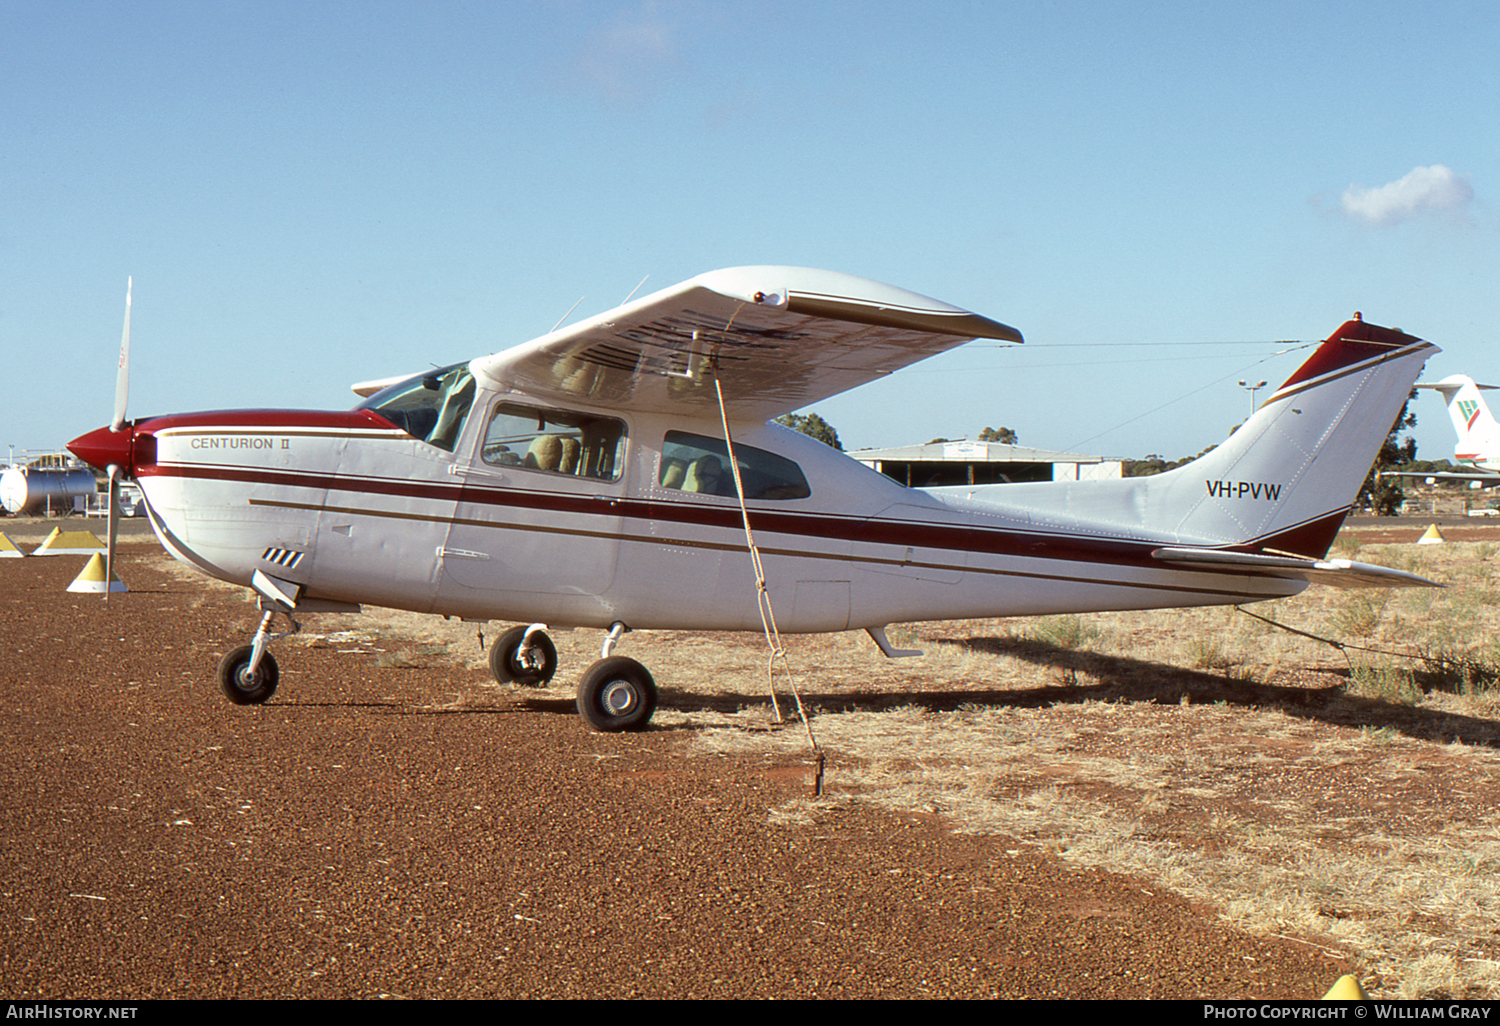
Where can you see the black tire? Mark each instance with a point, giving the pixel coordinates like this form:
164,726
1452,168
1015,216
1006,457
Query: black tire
237,684
535,670
617,694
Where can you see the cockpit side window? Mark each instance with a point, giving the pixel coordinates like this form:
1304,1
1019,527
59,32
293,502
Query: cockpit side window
555,441
430,407
695,463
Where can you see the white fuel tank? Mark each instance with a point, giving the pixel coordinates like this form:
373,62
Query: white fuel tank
25,491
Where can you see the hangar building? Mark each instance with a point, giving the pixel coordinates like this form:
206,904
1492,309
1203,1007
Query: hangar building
971,463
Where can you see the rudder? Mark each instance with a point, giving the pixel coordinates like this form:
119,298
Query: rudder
1478,433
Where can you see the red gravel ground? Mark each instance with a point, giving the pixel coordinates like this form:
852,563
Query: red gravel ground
405,832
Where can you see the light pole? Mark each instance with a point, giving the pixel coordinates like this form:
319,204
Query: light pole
1252,389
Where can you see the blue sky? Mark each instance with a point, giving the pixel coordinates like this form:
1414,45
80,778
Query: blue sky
312,194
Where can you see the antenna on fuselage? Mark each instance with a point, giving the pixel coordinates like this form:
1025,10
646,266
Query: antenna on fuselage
634,290
566,315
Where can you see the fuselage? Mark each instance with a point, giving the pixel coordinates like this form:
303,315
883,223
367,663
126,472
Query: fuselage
488,517
1478,461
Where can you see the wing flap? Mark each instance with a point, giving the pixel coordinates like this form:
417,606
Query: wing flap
1337,573
776,338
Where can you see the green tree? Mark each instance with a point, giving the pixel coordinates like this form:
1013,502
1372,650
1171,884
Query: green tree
1004,436
1152,463
1155,463
813,426
1383,496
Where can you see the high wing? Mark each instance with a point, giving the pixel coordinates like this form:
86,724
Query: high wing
778,338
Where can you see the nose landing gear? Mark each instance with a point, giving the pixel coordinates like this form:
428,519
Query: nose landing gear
248,675
242,685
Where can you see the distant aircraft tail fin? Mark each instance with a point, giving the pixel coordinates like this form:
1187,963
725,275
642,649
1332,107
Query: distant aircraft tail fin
1478,433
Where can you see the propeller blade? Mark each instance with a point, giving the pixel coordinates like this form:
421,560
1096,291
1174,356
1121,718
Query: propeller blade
122,378
114,528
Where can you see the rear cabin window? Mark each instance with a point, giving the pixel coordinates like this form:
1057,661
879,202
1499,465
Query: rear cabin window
694,463
554,441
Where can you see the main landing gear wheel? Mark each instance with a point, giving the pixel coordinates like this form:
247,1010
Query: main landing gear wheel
534,669
240,685
616,694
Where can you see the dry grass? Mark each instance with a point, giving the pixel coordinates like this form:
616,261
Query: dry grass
1347,795
1299,789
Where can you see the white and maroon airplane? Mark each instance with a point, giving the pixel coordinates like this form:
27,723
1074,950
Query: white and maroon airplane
1478,434
583,480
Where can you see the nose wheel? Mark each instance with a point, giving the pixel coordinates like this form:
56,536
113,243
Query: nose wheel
248,675
243,685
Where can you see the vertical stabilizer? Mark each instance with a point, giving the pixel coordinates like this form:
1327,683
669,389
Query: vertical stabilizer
1285,480
1478,434
1280,485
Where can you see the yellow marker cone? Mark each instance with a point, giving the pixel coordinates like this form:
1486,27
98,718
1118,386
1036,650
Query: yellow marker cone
1432,537
92,581
69,543
8,549
1347,988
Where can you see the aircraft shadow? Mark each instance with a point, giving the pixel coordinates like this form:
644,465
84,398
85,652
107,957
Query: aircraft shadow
1113,678
394,708
1123,679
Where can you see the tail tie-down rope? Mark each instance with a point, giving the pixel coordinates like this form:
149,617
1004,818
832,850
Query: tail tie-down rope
1343,647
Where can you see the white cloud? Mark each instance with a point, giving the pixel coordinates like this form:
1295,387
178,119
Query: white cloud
629,57
1423,190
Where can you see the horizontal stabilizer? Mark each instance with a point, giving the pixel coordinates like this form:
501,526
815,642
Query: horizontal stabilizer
1449,385
1337,573
1445,475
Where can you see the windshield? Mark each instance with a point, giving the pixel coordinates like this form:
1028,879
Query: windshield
430,407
